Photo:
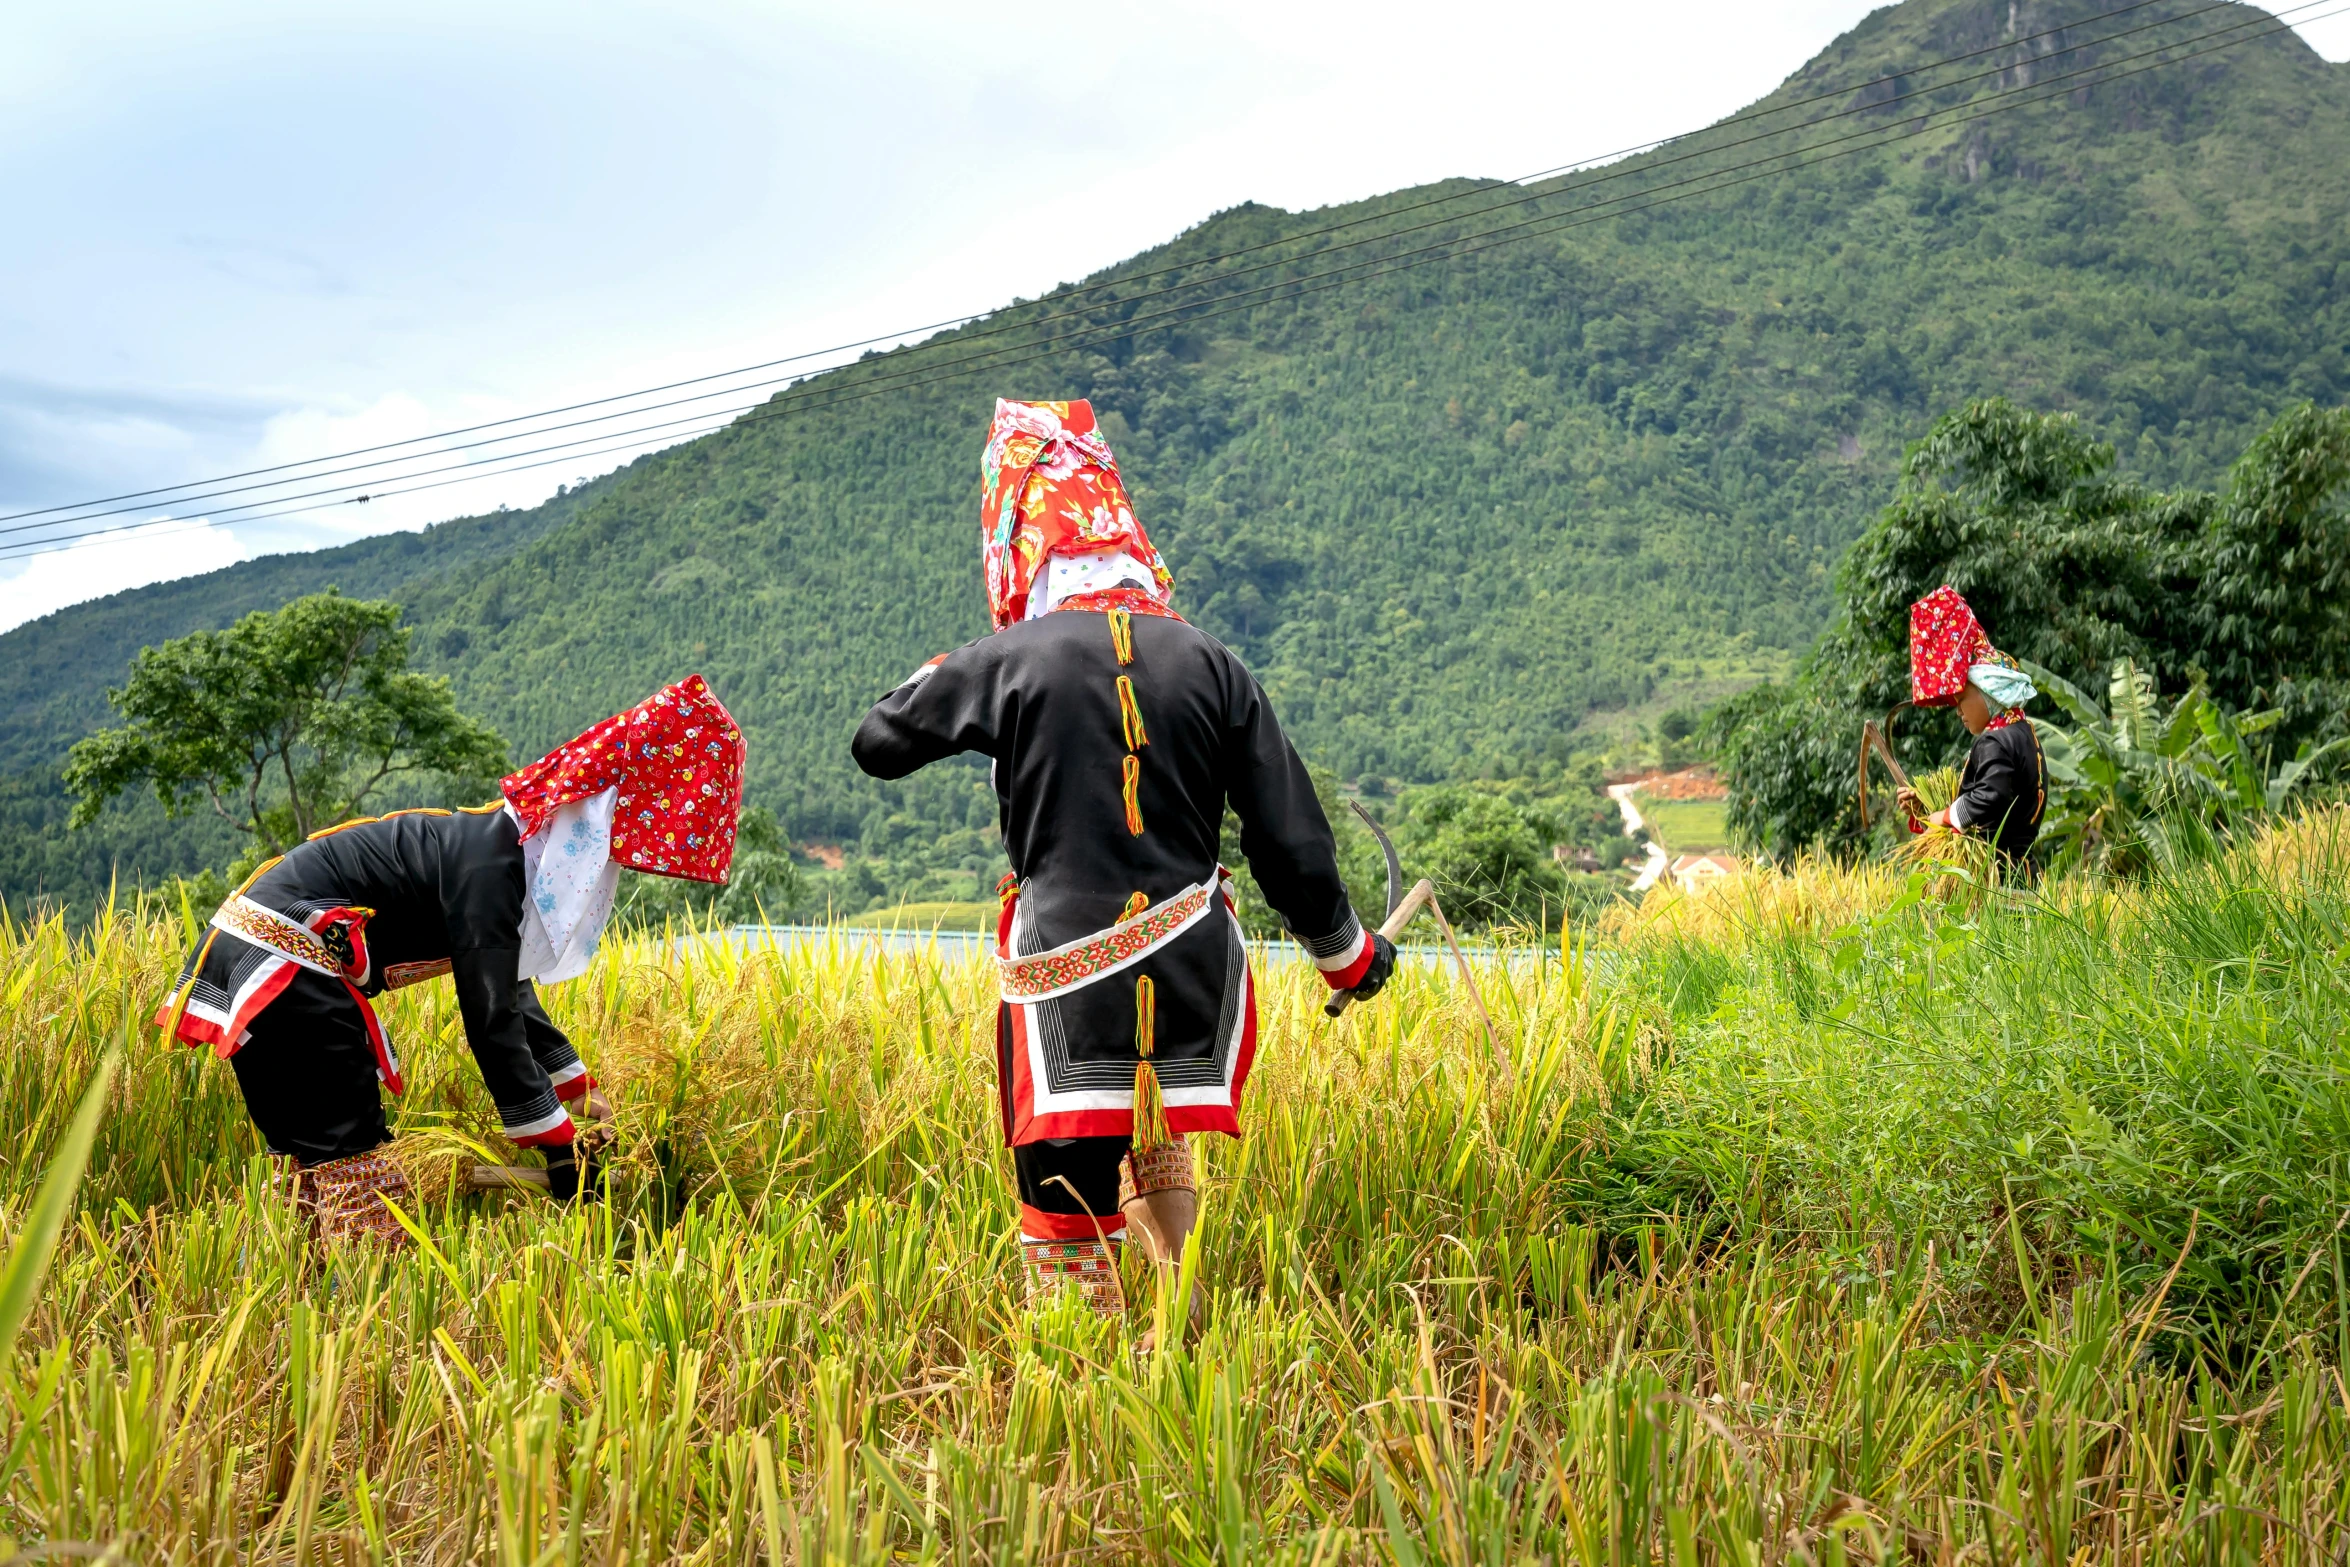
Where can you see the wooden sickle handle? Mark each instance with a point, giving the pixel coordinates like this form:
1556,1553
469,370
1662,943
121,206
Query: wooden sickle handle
1422,894
507,1177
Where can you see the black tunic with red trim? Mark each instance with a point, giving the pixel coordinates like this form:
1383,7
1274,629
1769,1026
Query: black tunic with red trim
446,891
1193,730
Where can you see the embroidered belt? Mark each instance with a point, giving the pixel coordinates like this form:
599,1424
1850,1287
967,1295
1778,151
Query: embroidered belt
333,942
1075,964
337,947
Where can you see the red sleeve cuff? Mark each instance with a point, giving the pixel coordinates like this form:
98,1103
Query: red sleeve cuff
557,1136
575,1088
1352,975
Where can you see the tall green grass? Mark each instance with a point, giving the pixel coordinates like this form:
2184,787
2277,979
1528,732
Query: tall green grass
1819,1219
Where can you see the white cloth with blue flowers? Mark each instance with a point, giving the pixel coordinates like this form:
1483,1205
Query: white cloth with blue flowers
2005,687
569,879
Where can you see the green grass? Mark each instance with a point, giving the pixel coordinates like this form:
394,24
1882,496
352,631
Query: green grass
929,916
1687,826
1814,1220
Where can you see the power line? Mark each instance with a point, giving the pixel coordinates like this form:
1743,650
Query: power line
162,525
1123,280
1926,122
992,359
1009,326
1092,329
995,359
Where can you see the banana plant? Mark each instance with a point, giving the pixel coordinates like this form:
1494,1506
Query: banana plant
2129,781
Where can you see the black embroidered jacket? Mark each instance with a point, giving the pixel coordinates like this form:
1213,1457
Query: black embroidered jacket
2003,789
446,889
1112,774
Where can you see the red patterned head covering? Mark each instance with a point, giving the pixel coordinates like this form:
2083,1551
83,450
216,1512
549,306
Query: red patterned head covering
1944,640
1049,486
676,760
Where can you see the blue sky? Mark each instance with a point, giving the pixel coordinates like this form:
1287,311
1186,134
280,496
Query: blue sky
244,233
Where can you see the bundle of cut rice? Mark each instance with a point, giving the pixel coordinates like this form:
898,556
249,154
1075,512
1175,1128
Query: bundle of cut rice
1955,859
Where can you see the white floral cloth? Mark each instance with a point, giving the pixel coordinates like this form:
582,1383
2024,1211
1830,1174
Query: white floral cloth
1066,576
569,880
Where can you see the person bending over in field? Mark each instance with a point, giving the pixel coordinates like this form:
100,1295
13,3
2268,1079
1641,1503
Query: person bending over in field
2003,789
1118,734
500,898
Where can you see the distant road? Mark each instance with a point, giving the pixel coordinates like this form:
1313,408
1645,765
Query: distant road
1636,827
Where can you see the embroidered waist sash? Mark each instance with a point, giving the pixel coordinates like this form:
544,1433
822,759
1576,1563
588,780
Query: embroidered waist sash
1075,964
332,942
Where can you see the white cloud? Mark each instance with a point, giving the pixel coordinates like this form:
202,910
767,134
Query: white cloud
42,584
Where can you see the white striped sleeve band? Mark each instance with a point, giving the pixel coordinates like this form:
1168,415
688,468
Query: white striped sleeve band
535,1125
1340,948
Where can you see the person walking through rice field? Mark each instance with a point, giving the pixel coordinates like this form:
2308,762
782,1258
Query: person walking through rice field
1118,733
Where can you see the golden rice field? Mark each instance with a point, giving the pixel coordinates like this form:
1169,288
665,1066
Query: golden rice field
1822,1220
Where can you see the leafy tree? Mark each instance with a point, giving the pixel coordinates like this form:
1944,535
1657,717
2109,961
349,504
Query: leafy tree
2125,785
288,721
2071,566
763,883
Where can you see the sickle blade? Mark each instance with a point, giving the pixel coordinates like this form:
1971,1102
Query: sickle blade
1394,865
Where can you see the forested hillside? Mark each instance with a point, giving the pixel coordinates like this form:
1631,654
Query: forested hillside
1447,511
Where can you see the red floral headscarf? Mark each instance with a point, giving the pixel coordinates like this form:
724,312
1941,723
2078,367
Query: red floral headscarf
1948,651
676,759
1049,486
1944,640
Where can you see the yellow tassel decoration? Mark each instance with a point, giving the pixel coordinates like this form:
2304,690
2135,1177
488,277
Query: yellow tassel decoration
1150,1106
1135,905
1130,716
1133,798
1122,635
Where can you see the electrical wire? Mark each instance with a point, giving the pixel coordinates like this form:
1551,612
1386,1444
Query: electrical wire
1924,122
495,467
916,369
1126,279
1110,332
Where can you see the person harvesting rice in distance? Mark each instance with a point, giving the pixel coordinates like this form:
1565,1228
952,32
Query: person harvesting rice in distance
1118,733
502,897
2003,789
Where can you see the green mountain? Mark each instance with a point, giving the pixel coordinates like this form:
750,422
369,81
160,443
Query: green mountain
1448,512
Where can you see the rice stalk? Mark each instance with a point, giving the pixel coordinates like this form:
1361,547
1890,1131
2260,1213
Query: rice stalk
1814,1217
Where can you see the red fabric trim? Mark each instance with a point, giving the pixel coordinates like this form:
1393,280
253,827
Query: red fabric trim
1028,1127
194,1032
224,1041
1039,1225
1078,1123
1352,975
387,1065
1183,1119
1246,1061
577,1087
553,1137
1022,1098
1132,600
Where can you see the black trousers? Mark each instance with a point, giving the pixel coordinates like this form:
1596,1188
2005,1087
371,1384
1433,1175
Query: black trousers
1090,1164
308,1074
